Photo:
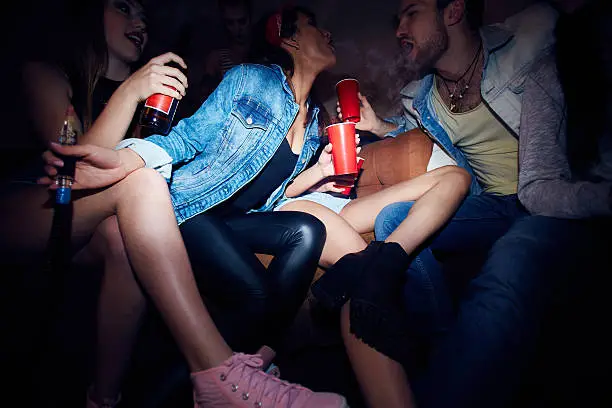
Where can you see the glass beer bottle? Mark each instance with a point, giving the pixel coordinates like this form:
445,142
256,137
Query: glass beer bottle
158,111
65,175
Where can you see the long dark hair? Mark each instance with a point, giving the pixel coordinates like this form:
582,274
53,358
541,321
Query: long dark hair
265,53
77,46
90,57
584,63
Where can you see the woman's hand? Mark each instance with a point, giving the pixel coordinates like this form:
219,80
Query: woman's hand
326,162
327,187
156,77
96,167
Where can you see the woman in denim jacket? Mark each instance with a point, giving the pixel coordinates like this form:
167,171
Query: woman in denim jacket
232,161
258,132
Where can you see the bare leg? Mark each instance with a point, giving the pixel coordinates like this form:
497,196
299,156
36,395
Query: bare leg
163,268
158,256
161,264
381,379
437,194
120,309
341,239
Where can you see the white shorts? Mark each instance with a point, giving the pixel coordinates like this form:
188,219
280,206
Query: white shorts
334,202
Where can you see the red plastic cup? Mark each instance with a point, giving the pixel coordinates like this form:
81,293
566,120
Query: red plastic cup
347,91
346,190
344,154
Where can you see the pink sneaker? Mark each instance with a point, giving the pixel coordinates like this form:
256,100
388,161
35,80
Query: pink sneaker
240,383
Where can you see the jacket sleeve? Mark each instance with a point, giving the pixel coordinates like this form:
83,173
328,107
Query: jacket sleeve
405,122
546,186
190,136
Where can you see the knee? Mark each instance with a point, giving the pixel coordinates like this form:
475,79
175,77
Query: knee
457,177
309,231
389,218
145,180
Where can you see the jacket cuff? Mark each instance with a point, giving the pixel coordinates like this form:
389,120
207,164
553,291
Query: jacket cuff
154,156
401,126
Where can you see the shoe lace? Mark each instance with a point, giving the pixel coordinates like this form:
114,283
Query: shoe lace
250,374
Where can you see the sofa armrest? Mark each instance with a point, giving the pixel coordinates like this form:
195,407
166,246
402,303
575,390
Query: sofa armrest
392,160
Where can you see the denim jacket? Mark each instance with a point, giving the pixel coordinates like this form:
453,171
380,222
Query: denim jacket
228,141
510,49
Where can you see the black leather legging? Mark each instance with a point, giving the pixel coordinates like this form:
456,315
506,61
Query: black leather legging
252,305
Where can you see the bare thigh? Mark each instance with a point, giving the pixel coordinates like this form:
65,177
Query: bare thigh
341,237
27,215
361,213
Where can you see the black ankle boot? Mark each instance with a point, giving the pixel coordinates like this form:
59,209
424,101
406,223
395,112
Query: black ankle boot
333,289
377,313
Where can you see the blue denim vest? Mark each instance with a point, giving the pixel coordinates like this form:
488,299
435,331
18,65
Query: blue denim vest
231,137
510,50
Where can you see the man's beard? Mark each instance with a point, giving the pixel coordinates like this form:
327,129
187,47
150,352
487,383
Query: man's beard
426,54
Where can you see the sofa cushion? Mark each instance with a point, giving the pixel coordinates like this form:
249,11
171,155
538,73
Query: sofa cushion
392,160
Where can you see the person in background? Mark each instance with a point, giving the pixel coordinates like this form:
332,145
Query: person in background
567,159
236,16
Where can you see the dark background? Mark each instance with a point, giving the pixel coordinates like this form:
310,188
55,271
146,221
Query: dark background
363,33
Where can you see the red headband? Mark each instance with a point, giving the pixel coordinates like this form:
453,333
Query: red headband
273,29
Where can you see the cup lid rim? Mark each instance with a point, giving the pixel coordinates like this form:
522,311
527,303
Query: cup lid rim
347,79
341,123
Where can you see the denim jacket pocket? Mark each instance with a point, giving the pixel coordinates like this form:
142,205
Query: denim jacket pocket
252,114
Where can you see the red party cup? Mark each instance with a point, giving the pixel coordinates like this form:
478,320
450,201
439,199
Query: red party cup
346,190
347,91
344,154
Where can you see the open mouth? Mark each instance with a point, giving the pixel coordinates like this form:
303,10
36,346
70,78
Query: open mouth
136,37
406,45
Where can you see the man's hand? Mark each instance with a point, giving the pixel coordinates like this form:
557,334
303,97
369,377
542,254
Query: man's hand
370,122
